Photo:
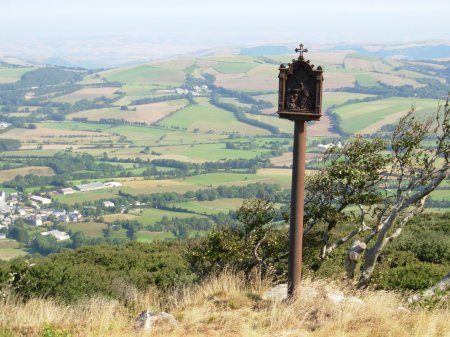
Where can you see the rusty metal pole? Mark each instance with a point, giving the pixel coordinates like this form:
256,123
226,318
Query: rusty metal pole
297,208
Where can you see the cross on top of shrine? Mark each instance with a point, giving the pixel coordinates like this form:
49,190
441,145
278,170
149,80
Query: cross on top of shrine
301,50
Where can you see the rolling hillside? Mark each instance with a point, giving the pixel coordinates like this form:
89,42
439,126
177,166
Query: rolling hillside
189,125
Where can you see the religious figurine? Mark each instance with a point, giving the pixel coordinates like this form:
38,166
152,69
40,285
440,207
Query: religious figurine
292,102
303,95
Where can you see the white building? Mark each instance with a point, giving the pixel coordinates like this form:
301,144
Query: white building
41,200
4,125
68,190
113,184
74,216
108,204
90,187
330,145
58,235
181,91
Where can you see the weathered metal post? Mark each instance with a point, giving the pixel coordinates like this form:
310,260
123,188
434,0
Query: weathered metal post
299,100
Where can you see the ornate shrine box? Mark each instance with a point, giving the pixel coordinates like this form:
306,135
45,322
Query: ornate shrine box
300,90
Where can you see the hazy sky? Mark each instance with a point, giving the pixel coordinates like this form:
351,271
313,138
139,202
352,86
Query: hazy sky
227,21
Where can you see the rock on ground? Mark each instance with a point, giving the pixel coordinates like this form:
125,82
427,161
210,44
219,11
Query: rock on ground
279,293
147,319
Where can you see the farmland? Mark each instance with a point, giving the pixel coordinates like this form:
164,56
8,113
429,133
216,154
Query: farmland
87,93
10,249
176,149
207,118
361,116
37,170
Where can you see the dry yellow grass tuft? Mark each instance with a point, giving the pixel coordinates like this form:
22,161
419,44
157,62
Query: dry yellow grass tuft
222,306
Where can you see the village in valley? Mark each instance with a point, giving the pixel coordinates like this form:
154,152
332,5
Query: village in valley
33,209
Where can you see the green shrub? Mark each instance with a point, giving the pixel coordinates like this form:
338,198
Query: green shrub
427,246
255,244
412,276
88,271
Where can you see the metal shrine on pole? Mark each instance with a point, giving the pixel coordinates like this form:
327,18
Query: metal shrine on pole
299,100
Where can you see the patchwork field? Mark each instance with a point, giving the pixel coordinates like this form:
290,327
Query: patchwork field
192,130
51,135
143,136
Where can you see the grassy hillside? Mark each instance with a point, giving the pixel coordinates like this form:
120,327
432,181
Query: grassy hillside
225,305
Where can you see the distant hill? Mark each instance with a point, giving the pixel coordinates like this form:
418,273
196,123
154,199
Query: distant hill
264,50
426,52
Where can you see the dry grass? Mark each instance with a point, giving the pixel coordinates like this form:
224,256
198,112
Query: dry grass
321,128
337,80
286,159
6,175
226,306
87,93
395,80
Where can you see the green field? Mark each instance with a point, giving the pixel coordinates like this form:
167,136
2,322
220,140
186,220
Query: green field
365,80
10,75
147,236
10,249
212,207
217,179
87,196
228,67
25,153
93,229
356,117
208,118
441,195
337,98
75,126
234,101
152,216
158,76
218,151
283,125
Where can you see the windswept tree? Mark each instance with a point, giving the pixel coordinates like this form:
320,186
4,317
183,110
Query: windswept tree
254,245
370,189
